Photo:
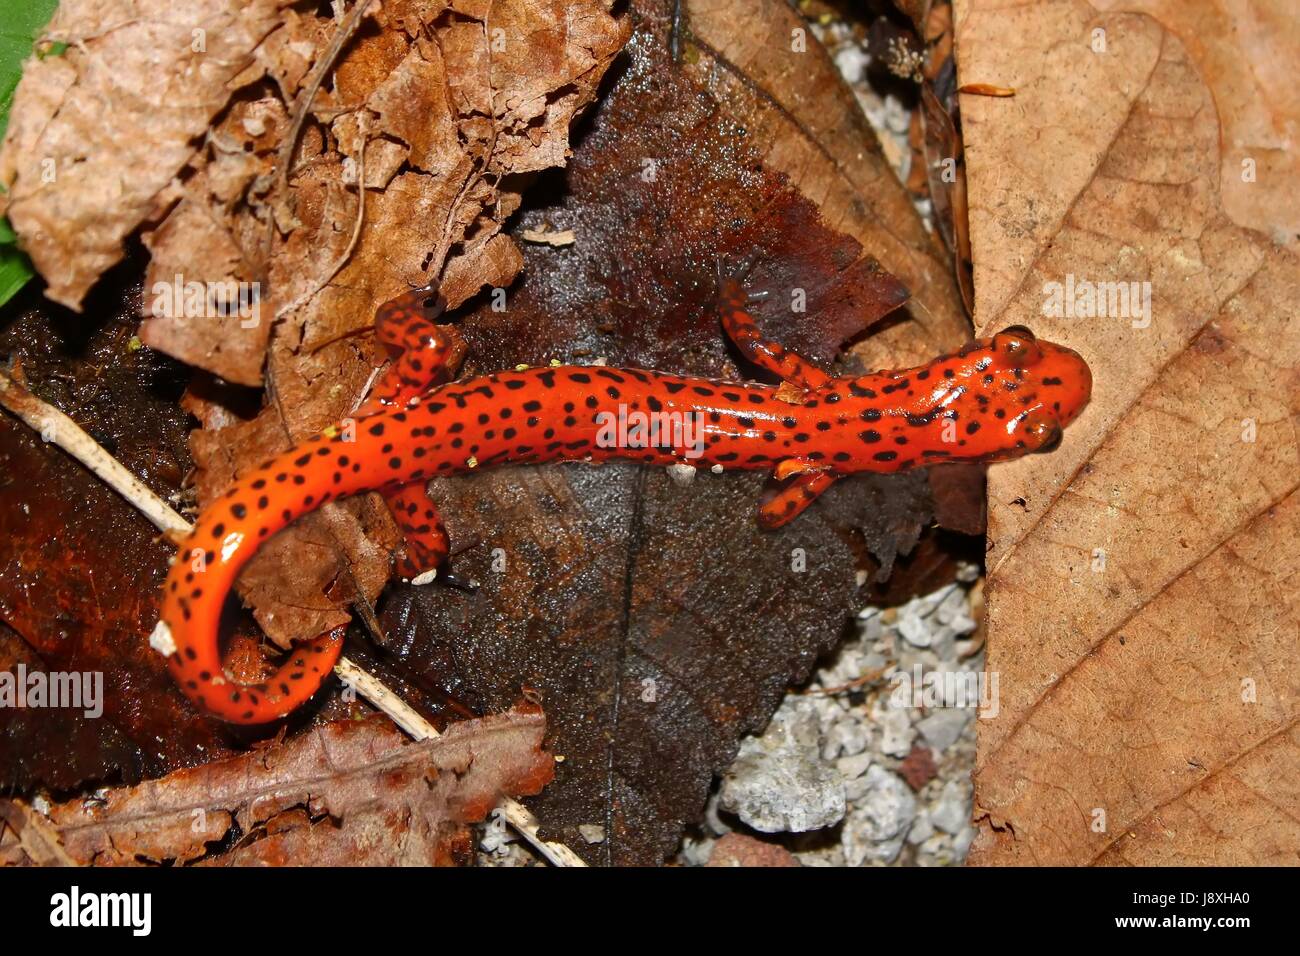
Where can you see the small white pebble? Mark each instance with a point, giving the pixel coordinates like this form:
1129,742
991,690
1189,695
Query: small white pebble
716,469
682,474
161,639
592,832
426,577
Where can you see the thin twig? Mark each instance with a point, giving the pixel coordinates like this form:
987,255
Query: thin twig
58,429
330,273
284,157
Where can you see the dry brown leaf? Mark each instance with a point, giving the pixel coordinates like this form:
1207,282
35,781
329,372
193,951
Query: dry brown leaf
806,122
79,180
1247,53
348,793
1143,612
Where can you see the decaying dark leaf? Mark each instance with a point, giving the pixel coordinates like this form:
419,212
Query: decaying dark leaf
60,747
346,793
79,568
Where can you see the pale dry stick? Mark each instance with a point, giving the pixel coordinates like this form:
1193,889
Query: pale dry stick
58,429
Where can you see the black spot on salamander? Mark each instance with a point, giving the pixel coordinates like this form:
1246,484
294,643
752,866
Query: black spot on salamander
672,388
515,384
870,436
581,377
885,455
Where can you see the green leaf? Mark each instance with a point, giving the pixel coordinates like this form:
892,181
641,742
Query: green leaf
15,270
22,20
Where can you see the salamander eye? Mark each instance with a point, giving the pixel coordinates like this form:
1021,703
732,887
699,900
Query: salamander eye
1018,345
1041,432
1052,441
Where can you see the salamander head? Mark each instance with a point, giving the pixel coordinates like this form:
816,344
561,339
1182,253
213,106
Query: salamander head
998,398
1024,389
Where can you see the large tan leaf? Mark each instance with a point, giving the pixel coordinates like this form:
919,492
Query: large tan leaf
1143,607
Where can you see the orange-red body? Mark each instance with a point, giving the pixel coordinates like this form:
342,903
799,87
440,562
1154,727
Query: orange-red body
995,399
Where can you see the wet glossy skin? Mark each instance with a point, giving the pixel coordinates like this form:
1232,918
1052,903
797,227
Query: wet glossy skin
996,399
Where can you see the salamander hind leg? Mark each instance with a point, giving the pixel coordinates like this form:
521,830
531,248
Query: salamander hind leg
426,353
425,545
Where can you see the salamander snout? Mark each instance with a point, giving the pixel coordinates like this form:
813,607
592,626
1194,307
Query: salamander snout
1064,381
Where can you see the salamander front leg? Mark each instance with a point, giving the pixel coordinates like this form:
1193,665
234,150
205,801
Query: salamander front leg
765,353
791,500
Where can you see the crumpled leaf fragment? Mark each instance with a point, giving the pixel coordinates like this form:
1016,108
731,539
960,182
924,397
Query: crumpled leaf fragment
79,178
347,793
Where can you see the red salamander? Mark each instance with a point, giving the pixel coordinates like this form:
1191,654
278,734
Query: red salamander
995,399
